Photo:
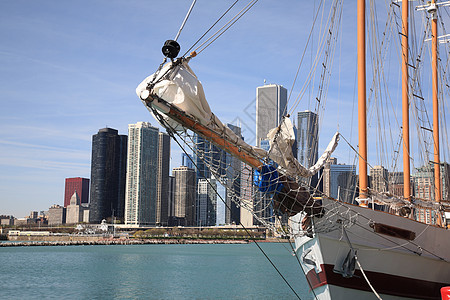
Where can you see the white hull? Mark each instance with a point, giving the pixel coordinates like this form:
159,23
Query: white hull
395,267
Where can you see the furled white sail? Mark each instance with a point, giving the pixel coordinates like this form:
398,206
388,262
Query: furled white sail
281,140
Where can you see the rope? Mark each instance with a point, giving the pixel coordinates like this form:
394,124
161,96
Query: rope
359,265
185,19
210,28
229,24
170,131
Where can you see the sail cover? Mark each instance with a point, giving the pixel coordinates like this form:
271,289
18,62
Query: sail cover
281,140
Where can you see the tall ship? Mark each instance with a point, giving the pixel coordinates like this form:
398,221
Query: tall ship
368,241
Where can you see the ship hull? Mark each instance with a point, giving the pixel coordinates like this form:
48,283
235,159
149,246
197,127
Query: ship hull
396,268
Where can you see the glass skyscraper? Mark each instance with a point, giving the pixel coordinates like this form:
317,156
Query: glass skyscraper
108,170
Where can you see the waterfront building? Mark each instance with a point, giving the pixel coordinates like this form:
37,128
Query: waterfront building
74,211
339,181
185,194
81,185
206,202
6,220
162,184
57,214
271,105
142,174
108,170
379,179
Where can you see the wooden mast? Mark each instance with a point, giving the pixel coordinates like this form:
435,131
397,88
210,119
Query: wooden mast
362,118
437,171
405,104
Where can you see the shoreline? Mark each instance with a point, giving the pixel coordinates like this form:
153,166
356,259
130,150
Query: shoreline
120,242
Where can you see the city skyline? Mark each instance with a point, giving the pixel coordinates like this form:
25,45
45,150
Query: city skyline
83,71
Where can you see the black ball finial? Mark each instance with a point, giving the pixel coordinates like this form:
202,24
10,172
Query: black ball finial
171,49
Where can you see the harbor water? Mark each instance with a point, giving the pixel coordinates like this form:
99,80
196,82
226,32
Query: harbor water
217,271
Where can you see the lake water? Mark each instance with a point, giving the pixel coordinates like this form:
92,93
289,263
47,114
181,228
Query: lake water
150,272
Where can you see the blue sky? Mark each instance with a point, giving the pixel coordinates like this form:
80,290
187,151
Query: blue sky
69,68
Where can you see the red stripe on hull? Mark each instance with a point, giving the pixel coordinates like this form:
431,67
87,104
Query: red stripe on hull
383,283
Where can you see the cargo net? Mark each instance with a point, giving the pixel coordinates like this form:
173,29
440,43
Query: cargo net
259,196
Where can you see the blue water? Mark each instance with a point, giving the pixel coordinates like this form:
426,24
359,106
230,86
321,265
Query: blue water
150,272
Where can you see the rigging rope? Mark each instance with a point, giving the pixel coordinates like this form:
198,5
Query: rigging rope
171,133
185,19
211,27
229,24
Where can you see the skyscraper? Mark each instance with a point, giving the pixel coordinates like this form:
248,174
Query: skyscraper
379,177
81,185
108,169
187,160
271,105
185,194
208,158
162,186
206,202
233,182
142,174
307,138
339,181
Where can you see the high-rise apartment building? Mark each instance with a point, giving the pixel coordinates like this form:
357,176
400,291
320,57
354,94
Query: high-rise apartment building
185,194
81,185
171,207
142,174
271,105
108,170
206,202
379,179
424,183
162,185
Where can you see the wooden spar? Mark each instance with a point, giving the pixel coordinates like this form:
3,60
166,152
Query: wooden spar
362,118
437,171
405,104
206,132
291,199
